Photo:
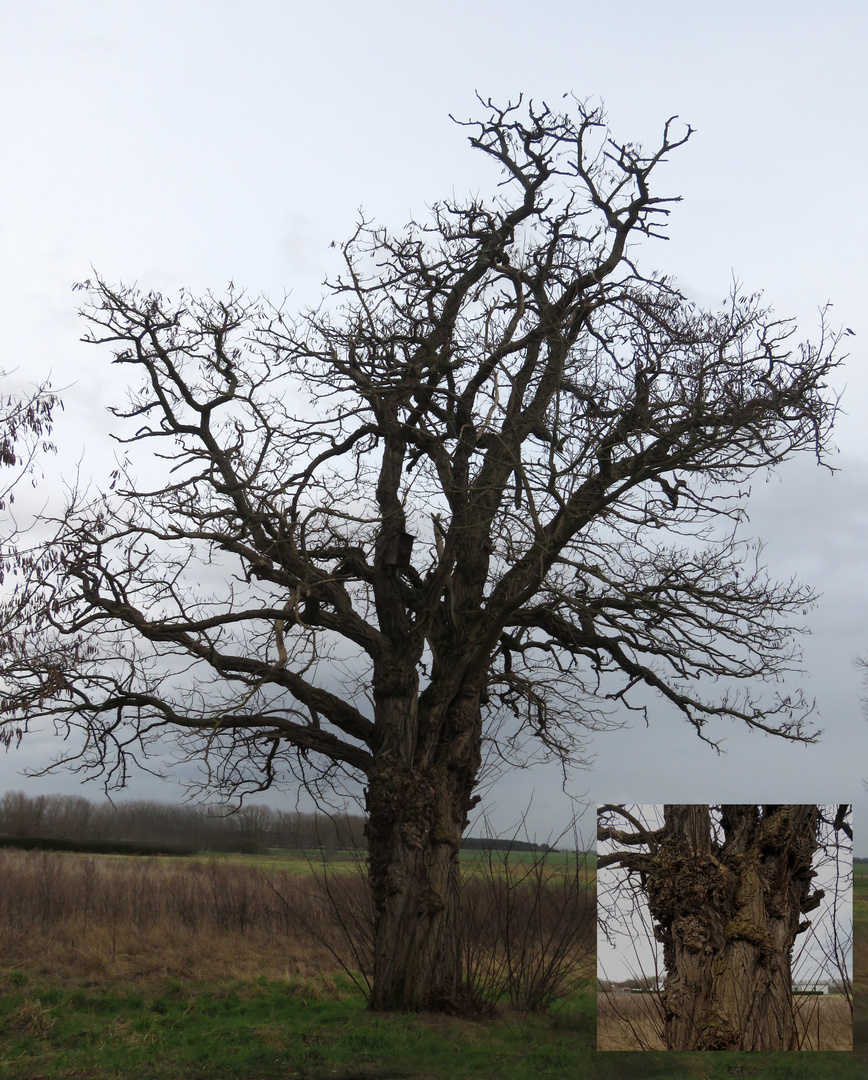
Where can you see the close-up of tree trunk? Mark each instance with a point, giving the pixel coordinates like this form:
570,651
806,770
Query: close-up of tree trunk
728,900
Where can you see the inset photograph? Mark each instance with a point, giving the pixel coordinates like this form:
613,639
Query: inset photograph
724,927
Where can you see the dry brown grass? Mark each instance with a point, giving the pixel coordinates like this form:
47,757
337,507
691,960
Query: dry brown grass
527,935
105,920
629,1022
824,1023
635,1022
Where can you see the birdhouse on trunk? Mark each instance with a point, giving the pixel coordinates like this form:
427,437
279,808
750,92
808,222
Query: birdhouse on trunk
397,550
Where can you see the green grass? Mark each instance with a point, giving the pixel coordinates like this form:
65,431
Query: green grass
282,1029
271,1029
860,892
301,860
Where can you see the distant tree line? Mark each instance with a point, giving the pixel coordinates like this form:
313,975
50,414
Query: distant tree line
168,826
53,821
487,843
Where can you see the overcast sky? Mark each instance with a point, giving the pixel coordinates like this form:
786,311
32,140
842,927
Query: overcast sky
190,143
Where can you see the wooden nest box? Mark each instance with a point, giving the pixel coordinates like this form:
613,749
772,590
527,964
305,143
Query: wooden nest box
398,550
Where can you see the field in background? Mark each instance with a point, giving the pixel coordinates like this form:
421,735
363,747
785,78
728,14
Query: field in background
83,918
96,920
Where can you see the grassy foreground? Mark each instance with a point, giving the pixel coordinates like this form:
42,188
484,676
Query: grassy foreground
271,1029
275,1029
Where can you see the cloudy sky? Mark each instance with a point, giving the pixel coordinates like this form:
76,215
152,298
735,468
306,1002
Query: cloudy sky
192,143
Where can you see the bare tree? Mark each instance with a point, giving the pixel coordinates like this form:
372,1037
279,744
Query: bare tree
727,889
470,503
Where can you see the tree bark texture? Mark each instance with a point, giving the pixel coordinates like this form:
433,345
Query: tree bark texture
728,914
418,798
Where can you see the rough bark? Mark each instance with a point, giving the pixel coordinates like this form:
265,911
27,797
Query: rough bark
415,880
727,913
418,797
728,919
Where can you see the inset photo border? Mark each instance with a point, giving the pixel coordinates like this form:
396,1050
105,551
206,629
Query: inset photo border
725,927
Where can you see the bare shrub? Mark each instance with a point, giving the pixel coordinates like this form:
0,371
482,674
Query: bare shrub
526,923
527,926
337,910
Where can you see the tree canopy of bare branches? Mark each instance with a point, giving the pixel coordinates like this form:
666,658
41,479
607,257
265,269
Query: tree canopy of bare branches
472,500
26,425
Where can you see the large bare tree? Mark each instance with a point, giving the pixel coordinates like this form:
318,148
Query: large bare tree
487,489
728,889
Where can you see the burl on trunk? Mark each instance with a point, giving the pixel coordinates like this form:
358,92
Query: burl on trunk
727,915
418,798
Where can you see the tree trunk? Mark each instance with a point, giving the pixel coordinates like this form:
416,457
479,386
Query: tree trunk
417,813
728,915
416,884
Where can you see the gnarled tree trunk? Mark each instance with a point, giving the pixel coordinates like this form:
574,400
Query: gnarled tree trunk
727,915
418,798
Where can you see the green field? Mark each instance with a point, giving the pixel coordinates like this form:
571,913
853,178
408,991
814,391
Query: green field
860,892
301,860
